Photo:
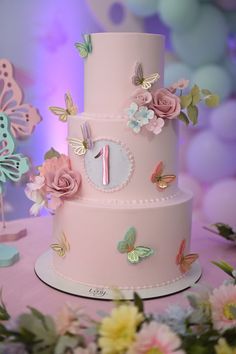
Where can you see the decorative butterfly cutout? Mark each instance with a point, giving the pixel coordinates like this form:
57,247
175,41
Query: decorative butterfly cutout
162,182
86,47
23,117
139,80
134,254
63,113
62,246
80,147
12,166
185,261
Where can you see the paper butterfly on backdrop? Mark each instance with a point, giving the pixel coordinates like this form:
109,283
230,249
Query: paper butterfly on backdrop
63,113
185,261
12,166
162,182
86,47
62,246
23,117
80,147
139,80
134,254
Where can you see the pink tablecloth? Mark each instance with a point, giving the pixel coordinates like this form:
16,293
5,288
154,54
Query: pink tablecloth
21,287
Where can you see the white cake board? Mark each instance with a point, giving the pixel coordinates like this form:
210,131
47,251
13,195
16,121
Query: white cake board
45,272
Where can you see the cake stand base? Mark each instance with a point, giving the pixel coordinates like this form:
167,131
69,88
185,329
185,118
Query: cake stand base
45,272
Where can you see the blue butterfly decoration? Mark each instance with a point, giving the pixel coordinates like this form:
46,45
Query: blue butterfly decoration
12,165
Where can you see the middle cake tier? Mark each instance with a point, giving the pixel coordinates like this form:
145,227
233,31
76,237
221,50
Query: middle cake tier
120,164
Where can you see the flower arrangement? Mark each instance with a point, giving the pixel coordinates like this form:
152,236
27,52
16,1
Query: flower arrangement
55,183
207,326
151,109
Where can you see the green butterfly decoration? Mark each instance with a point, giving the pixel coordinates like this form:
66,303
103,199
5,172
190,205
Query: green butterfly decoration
134,254
86,47
12,166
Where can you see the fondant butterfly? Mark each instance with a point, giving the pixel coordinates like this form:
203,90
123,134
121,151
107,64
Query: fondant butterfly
12,166
63,113
185,261
86,47
134,254
23,117
62,246
161,181
79,146
139,80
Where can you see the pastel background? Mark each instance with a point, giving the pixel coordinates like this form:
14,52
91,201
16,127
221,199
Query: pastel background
38,38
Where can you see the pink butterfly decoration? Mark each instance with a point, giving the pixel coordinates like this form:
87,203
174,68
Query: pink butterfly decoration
185,261
23,116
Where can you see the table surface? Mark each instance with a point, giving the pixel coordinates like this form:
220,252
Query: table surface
22,288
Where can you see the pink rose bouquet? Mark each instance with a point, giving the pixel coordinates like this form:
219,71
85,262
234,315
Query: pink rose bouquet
55,183
165,104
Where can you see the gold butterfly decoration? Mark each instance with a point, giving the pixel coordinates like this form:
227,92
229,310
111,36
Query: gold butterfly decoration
161,181
62,246
63,113
145,82
79,146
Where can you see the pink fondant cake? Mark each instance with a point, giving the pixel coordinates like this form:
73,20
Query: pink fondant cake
129,225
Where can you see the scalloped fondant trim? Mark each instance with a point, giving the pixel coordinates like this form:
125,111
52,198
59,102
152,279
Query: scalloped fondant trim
132,162
168,282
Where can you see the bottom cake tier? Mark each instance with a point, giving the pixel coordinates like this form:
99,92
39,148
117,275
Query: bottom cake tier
119,246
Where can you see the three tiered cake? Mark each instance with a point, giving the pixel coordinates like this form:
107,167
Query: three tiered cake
129,226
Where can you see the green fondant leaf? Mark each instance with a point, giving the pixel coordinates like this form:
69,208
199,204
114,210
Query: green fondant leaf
212,100
51,153
196,96
185,101
143,252
193,114
130,237
206,92
182,116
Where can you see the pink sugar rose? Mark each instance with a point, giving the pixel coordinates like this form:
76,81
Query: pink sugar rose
165,104
60,181
141,97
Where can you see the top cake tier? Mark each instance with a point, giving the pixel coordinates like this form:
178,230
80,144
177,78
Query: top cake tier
110,67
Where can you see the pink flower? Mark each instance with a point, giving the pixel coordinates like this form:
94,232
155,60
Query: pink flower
141,97
157,338
155,125
165,104
181,85
223,300
68,320
35,192
60,181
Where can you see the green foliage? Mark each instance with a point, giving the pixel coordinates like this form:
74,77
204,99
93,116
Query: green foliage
193,113
185,101
51,153
182,116
4,315
196,95
138,302
212,101
226,267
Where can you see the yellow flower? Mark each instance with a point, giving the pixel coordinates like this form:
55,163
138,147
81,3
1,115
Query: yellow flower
117,332
222,347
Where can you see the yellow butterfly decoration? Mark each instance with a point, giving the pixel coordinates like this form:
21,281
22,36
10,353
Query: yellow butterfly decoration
145,82
63,113
79,146
62,246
